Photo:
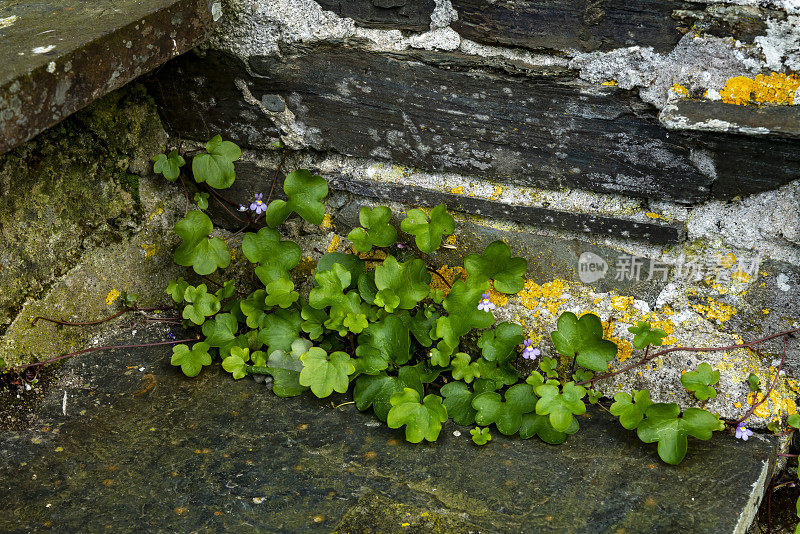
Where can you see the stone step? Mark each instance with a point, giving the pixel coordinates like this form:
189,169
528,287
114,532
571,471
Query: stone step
124,442
60,55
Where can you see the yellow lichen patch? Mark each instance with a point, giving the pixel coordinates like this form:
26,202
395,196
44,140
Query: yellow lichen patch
450,240
621,303
547,296
715,311
653,215
679,90
728,260
499,299
773,406
112,296
149,250
775,88
741,276
334,244
496,193
458,190
158,211
327,222
448,274
610,83
625,347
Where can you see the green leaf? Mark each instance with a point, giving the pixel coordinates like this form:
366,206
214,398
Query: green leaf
664,424
202,304
377,390
561,406
377,230
506,416
503,374
462,306
176,288
281,293
330,287
253,307
401,285
285,369
481,436
630,410
280,329
169,166
220,332
539,425
422,323
305,192
646,336
215,167
201,199
700,381
458,399
352,263
428,232
753,382
202,253
464,368
312,321
325,373
275,257
583,338
191,361
423,420
497,264
499,343
236,363
549,367
226,291
383,342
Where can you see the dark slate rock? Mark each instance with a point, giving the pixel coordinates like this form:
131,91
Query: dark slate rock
60,55
658,233
451,112
153,451
715,116
395,14
585,25
744,23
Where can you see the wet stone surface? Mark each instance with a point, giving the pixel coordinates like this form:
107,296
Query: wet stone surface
62,54
143,448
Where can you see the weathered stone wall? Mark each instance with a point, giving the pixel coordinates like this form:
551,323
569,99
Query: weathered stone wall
82,221
662,131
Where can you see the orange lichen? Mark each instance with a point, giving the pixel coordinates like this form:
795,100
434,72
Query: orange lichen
458,190
547,296
334,244
610,83
715,311
680,90
775,88
437,284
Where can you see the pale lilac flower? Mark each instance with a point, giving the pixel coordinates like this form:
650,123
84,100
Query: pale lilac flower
742,432
485,304
242,207
530,353
258,205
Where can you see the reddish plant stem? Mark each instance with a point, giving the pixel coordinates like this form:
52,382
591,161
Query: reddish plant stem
71,354
99,321
748,345
788,455
185,192
222,201
275,177
440,275
774,381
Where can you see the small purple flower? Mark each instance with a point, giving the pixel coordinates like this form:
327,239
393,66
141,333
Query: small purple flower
242,207
530,353
742,432
171,336
258,205
485,304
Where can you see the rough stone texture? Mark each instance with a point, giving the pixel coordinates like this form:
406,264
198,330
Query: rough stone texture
399,14
225,455
537,128
704,115
72,189
745,23
567,25
62,54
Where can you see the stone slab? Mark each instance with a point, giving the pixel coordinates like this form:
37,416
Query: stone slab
744,23
710,116
452,112
585,25
60,55
137,446
395,14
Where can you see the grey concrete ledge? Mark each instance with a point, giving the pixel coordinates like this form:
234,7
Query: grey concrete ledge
60,55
